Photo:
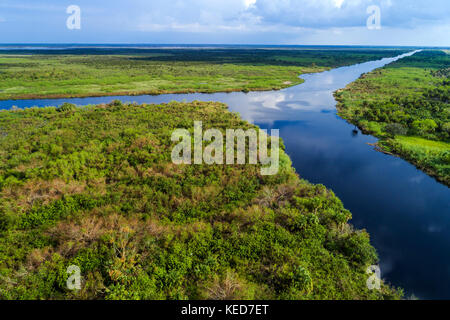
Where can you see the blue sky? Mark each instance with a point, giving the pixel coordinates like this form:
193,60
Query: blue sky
291,22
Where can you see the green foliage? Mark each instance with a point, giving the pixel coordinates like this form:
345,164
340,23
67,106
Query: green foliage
100,72
357,248
425,154
95,187
394,129
409,98
67,107
424,127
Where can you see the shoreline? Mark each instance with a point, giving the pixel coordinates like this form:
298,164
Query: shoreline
291,199
378,146
143,93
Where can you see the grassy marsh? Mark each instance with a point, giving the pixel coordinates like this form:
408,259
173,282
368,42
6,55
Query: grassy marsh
406,104
79,73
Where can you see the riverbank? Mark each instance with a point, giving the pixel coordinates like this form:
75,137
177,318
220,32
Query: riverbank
94,187
151,92
406,105
88,73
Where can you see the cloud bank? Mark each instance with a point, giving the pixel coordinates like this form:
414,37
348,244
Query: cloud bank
231,21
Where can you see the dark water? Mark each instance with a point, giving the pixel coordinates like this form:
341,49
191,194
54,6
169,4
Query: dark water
406,212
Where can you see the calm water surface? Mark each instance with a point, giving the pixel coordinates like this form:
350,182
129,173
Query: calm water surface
406,212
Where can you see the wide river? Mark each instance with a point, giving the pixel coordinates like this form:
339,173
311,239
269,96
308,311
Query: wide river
406,212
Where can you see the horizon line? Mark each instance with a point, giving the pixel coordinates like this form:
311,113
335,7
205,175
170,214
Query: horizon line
211,44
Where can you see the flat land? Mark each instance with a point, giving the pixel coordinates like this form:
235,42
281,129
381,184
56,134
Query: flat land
95,187
407,105
91,72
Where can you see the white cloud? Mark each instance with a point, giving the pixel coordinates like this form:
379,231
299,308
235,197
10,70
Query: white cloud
295,21
338,3
350,13
249,3
235,21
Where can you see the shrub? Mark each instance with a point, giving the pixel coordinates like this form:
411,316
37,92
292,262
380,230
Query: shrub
394,129
66,106
424,127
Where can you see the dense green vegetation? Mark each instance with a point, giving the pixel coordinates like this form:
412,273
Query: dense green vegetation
95,72
95,187
407,105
